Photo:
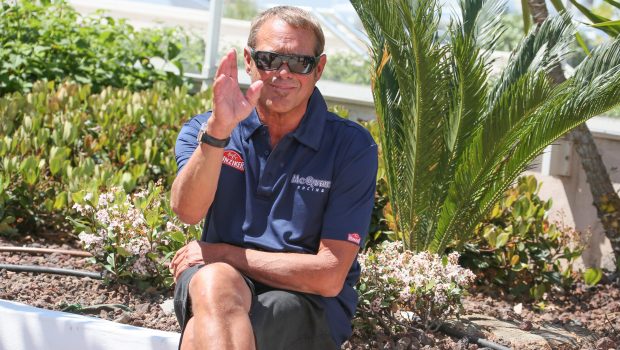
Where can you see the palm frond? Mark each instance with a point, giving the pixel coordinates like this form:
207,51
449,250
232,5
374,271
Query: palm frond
613,3
416,65
453,140
471,39
576,103
604,58
595,18
593,90
480,21
541,49
488,152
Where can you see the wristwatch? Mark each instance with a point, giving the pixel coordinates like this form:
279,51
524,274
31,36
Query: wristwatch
203,137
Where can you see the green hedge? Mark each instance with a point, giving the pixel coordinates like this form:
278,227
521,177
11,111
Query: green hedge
58,140
49,40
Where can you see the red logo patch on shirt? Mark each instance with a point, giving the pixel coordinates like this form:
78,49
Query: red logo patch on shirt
354,238
233,159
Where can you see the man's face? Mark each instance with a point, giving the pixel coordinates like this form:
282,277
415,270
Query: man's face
283,90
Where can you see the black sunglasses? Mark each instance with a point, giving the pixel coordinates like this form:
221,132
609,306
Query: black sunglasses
267,60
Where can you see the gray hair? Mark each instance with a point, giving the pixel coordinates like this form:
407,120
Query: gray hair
293,16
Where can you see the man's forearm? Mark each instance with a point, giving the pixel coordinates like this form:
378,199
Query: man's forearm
194,188
322,273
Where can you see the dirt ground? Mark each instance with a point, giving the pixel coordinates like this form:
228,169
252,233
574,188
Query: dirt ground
596,309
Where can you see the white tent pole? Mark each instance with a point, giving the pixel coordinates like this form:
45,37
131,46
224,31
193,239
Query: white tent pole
212,42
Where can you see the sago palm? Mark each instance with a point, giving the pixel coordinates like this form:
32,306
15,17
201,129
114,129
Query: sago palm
454,139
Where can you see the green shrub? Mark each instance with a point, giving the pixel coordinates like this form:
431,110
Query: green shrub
347,68
56,141
518,250
400,289
240,9
132,237
50,40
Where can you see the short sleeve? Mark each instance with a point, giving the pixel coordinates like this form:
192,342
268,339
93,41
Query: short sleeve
186,141
351,199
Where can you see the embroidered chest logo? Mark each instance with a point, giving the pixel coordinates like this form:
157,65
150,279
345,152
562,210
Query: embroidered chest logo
310,184
234,160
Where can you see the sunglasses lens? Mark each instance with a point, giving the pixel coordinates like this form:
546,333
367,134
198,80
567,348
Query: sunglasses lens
300,64
266,60
271,61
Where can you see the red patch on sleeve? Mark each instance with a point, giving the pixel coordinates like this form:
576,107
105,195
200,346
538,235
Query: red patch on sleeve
354,238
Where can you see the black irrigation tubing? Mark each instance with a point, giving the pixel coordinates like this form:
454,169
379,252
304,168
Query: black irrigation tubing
445,328
33,250
53,270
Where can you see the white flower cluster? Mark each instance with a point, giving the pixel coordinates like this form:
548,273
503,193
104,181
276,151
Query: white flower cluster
426,284
120,229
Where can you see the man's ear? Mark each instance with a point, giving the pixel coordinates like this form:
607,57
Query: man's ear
247,58
320,66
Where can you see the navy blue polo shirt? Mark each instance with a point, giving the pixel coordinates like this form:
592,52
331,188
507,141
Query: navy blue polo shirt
318,182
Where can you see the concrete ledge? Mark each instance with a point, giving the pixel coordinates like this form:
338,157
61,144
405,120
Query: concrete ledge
24,327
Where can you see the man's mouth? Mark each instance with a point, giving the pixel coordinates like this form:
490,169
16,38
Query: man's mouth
282,86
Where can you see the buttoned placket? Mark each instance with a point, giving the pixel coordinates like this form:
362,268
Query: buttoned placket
271,162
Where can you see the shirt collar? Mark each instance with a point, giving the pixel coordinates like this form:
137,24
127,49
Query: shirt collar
310,129
250,124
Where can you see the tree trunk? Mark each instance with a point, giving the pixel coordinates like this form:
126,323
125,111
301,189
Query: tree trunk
606,199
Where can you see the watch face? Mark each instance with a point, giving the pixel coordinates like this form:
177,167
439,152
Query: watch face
203,129
203,137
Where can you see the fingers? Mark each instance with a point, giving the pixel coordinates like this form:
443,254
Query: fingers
253,92
176,261
186,257
228,65
233,62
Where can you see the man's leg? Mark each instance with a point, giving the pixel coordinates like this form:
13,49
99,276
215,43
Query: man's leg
284,320
221,300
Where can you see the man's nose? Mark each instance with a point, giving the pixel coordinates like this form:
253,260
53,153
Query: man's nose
284,69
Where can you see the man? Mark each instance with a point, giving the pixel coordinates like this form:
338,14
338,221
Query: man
287,189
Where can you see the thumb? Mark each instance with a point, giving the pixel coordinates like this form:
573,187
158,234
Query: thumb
253,92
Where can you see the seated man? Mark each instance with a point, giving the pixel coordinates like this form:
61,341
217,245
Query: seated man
287,190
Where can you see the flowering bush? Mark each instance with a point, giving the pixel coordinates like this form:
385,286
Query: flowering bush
517,250
133,237
399,286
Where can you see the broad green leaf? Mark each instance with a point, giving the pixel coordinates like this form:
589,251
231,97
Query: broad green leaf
152,217
178,237
123,252
29,170
537,291
56,160
501,239
61,201
592,276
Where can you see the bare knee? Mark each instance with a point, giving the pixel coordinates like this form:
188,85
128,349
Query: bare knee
219,288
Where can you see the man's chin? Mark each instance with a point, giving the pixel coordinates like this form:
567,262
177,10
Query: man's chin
275,104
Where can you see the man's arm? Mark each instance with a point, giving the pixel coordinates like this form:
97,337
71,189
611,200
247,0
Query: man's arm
194,188
323,273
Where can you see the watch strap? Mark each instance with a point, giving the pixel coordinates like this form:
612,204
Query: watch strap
212,141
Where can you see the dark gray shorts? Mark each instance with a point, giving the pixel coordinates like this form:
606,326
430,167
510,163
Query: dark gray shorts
281,319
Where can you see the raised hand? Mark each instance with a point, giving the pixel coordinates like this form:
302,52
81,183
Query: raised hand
230,106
